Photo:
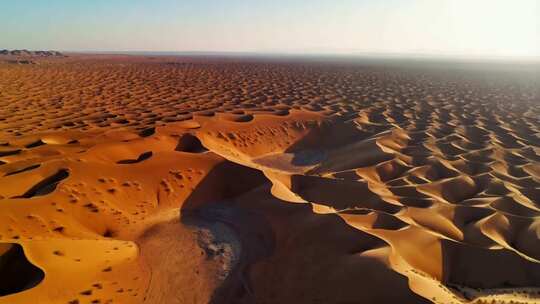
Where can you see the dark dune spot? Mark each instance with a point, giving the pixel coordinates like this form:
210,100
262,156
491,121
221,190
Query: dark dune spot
37,143
47,185
97,286
17,273
239,118
190,143
205,113
143,156
59,229
244,118
281,112
108,269
32,167
147,132
91,207
8,153
108,233
121,121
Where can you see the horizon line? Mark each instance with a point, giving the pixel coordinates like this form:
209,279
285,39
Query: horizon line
307,54
396,55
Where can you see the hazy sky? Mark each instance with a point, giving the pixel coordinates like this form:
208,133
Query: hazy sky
447,27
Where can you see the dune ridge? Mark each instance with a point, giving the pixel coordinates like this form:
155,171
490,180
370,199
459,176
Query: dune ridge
144,180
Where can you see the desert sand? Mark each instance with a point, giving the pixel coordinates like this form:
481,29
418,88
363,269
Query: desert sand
139,179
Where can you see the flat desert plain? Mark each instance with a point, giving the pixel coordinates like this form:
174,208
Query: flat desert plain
154,179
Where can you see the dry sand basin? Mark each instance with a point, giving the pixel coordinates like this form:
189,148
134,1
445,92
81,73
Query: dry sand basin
127,179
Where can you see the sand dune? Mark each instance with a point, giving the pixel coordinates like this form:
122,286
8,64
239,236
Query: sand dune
127,179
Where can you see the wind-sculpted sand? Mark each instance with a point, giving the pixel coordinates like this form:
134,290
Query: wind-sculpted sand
128,179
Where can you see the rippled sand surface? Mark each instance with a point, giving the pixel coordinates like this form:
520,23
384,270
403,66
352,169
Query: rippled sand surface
127,179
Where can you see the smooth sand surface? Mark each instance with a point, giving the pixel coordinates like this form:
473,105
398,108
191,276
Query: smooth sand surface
130,179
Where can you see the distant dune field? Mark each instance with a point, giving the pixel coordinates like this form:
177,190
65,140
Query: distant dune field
163,179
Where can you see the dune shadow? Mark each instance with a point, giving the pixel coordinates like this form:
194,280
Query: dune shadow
476,267
47,185
190,143
16,272
211,202
142,157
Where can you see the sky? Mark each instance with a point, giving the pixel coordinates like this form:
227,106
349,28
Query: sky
496,28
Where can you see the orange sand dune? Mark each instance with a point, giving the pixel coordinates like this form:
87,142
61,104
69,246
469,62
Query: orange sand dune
127,179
